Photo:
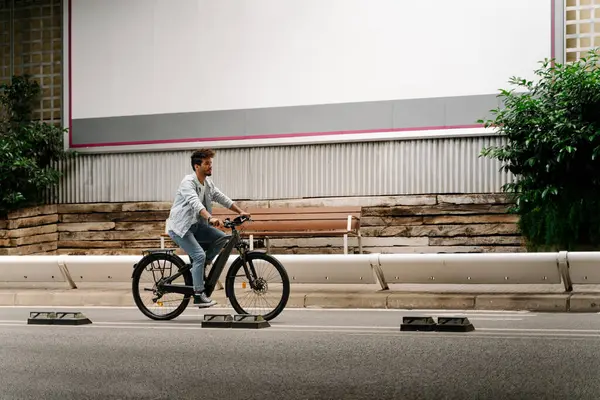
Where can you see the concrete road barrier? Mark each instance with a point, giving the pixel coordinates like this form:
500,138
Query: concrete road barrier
567,268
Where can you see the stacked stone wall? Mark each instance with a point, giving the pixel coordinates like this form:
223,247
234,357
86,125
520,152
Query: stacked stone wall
394,224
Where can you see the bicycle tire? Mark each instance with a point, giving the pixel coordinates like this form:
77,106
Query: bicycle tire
179,263
235,267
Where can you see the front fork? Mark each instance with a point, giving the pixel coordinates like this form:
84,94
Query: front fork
248,266
250,273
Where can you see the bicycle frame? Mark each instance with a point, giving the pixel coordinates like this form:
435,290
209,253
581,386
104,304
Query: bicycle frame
234,241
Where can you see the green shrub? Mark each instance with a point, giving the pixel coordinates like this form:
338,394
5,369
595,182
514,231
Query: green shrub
29,149
552,128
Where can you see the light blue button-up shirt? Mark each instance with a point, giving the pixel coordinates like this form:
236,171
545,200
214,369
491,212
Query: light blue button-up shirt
187,205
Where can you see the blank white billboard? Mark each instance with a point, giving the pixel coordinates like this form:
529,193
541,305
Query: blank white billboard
138,57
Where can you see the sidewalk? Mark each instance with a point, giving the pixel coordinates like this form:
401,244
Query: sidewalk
550,298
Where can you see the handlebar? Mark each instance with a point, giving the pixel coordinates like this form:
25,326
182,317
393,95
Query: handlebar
237,221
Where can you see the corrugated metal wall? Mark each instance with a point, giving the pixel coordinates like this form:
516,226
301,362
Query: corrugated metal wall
348,169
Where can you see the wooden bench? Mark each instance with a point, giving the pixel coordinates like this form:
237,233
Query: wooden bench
293,222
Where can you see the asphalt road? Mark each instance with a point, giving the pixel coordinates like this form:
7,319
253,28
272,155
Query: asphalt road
305,354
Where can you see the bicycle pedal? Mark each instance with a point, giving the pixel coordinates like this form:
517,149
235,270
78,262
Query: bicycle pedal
244,321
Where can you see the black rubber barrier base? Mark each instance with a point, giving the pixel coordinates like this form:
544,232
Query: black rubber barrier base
57,318
454,324
234,321
249,322
443,324
426,324
217,321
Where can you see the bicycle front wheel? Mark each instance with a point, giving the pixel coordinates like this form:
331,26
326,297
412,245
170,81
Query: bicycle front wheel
267,291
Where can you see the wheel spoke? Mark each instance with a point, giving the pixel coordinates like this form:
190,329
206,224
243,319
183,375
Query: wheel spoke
271,281
148,297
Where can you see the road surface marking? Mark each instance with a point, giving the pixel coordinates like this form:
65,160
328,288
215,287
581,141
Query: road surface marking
191,308
471,318
488,334
540,330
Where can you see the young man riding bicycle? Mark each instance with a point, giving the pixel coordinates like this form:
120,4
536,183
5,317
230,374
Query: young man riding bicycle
191,225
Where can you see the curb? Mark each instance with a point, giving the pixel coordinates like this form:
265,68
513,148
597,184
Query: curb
540,302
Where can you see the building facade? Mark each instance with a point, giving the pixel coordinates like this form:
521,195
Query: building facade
300,99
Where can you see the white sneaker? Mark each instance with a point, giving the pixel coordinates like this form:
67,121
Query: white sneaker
202,300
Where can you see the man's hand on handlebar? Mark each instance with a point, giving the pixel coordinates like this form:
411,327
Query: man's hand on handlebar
215,222
245,214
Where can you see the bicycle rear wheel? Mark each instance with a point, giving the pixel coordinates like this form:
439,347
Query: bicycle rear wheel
262,268
152,270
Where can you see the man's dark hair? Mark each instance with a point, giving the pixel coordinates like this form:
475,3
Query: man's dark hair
201,154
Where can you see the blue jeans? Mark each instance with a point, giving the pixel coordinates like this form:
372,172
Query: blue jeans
195,243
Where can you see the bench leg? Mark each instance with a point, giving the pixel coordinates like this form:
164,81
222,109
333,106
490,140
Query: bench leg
346,244
268,243
251,237
162,242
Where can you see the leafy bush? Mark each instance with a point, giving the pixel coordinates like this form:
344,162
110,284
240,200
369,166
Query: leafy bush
29,149
552,128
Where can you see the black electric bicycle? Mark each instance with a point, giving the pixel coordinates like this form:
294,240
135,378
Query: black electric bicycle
165,267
